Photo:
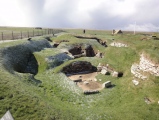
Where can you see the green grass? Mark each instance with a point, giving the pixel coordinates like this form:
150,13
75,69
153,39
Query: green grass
57,97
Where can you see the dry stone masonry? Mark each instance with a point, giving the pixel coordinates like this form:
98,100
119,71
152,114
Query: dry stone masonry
148,66
145,65
135,69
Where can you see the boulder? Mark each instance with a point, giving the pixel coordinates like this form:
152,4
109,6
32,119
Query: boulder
106,84
104,71
135,82
115,74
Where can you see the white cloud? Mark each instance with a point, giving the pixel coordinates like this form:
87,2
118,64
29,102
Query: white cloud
96,14
145,27
11,14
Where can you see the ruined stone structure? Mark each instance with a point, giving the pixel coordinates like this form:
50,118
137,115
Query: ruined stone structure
145,65
148,66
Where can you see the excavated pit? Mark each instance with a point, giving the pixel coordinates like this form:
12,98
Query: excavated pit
77,51
79,67
83,74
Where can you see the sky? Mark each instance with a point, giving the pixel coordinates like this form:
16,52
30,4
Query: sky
141,15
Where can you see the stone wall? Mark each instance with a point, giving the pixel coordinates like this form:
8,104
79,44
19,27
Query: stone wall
145,65
148,66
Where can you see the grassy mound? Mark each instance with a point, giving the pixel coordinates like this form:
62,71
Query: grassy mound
57,97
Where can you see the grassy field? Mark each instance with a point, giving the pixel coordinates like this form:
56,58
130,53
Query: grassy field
57,97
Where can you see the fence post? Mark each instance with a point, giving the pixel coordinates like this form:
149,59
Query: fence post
38,32
12,36
45,31
28,34
2,35
48,31
52,32
33,33
21,34
42,32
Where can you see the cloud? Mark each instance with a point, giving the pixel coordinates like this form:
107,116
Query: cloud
146,27
88,14
11,14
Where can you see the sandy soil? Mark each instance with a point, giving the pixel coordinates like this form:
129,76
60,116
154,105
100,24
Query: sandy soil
88,81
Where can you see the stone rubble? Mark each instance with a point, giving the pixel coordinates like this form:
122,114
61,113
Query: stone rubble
147,100
144,65
148,66
99,67
104,71
107,70
135,82
115,74
106,84
117,44
99,54
137,72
